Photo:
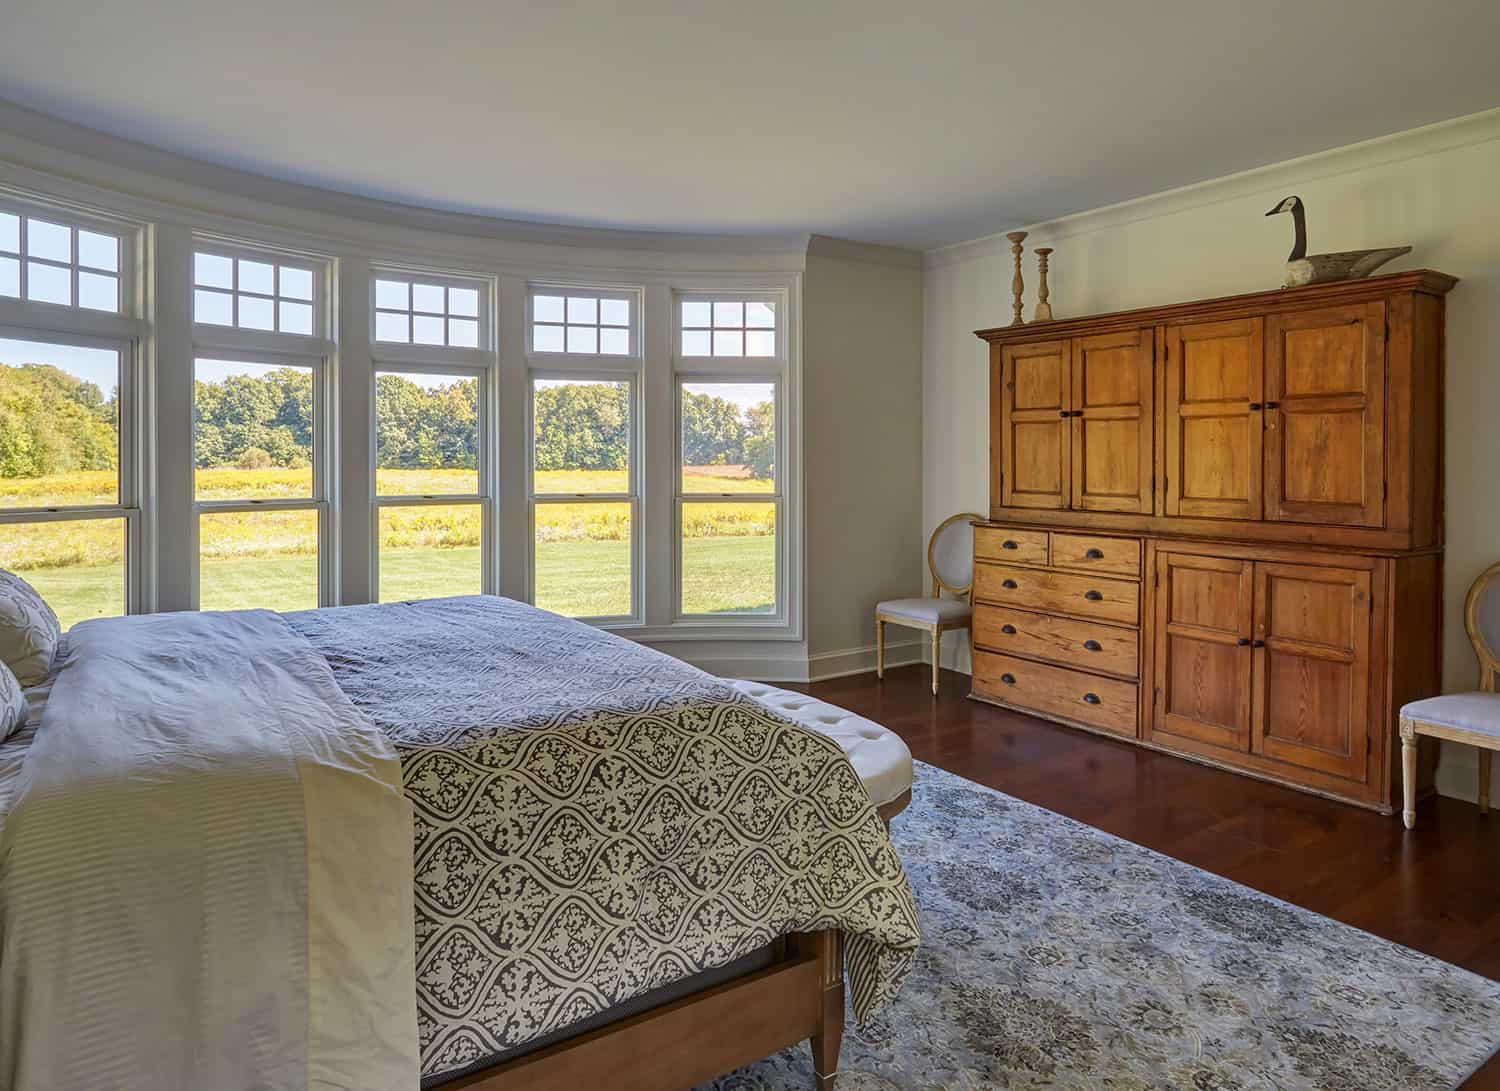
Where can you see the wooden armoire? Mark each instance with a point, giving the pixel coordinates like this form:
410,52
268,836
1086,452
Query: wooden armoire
1216,528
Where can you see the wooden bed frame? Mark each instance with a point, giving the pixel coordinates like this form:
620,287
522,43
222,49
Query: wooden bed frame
690,1041
799,997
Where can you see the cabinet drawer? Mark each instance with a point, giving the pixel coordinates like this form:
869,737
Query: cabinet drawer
1085,644
1057,691
1058,592
1004,544
1120,556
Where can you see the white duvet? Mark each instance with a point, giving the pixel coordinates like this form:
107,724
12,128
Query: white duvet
189,900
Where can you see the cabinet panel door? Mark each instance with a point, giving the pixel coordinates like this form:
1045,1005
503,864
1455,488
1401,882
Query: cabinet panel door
1214,374
1325,416
1312,668
1204,608
1112,437
1035,396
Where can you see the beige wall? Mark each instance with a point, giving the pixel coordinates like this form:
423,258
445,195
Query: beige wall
1436,188
862,446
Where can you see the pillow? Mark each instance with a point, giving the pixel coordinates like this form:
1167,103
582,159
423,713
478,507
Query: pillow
13,708
28,630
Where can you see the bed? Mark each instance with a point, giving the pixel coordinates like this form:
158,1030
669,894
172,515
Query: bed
597,863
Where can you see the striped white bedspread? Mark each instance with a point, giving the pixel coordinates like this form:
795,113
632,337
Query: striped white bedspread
205,871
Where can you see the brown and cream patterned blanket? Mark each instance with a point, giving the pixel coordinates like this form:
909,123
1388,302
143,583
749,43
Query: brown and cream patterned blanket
595,820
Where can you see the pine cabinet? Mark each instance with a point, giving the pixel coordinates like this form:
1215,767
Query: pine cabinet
1214,374
1232,509
1325,415
1076,423
1036,401
1264,658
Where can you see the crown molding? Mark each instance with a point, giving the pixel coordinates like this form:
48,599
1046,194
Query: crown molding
1441,136
96,168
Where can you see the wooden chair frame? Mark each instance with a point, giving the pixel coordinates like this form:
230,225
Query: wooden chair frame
882,619
1489,665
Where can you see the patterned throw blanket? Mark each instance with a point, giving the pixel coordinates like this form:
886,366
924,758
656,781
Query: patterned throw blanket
595,820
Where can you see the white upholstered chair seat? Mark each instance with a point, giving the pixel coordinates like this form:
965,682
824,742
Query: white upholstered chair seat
1476,712
927,611
877,753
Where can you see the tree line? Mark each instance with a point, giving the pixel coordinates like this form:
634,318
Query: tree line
52,422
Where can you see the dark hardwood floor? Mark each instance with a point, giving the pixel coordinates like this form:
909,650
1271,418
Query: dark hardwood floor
1435,888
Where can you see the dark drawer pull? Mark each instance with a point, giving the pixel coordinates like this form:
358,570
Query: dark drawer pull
1009,543
1273,405
1254,406
1008,678
1095,554
1063,413
1257,643
1243,642
1093,596
1008,629
1093,645
1009,584
1091,698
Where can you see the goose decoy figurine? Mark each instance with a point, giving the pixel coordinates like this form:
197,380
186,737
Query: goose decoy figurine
1321,268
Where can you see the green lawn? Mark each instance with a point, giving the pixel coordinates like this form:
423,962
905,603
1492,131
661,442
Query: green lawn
583,579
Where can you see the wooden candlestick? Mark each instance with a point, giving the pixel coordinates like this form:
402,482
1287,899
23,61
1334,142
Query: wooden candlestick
1043,308
1016,284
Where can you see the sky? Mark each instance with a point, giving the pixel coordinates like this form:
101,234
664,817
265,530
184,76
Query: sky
95,365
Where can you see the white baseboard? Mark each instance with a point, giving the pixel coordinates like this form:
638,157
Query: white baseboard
1458,773
862,660
768,666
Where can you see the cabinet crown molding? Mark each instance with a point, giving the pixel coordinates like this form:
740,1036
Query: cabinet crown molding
1427,281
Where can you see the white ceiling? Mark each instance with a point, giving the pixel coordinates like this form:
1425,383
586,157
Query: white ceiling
915,124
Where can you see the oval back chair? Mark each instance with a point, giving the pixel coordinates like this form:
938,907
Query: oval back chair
1472,718
950,561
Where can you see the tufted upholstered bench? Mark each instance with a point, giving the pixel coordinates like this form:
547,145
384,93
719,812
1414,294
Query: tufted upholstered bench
877,753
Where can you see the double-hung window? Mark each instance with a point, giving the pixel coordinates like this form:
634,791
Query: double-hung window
260,429
585,367
432,347
731,371
69,402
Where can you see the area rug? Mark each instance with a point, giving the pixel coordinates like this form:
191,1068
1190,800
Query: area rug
1058,956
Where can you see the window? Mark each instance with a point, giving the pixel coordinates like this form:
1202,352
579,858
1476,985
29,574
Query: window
255,293
46,261
258,480
728,327
581,323
427,311
67,486
429,483
583,495
729,500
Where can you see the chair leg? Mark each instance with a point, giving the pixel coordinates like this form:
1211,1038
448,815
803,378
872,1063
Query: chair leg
1408,774
1484,781
937,654
879,648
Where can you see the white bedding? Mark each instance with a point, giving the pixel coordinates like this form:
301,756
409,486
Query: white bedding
195,871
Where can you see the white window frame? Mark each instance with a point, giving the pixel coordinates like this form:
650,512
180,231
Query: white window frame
233,344
71,315
632,296
239,335
124,331
632,378
411,350
128,502
483,499
775,370
463,363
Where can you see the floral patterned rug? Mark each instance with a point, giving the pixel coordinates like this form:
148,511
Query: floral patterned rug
1058,956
